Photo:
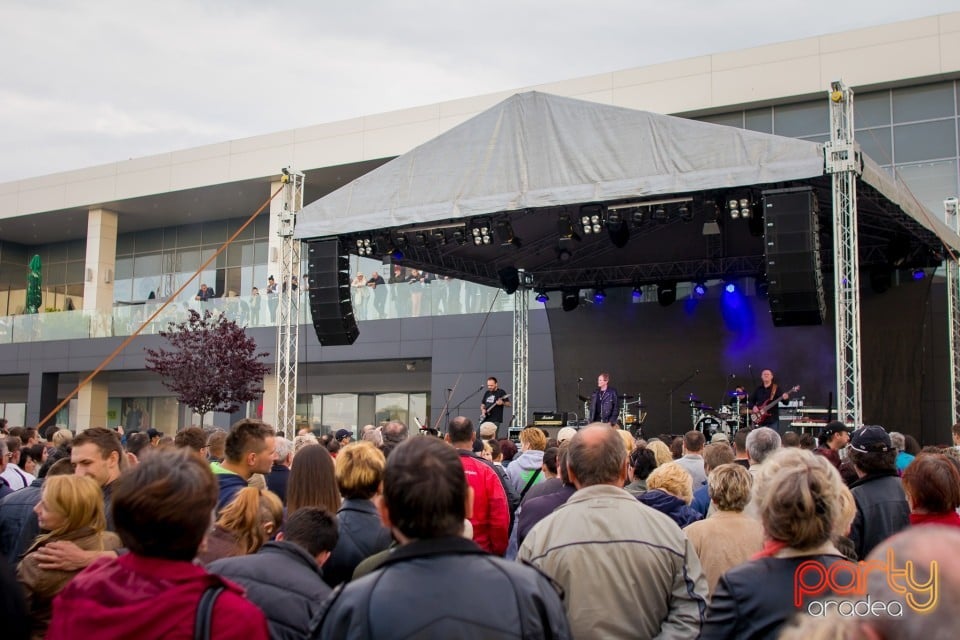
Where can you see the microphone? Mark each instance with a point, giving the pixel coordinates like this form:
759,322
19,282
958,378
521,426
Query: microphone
733,375
579,379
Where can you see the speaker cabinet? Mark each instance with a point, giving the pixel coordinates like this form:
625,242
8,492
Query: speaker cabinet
330,302
792,256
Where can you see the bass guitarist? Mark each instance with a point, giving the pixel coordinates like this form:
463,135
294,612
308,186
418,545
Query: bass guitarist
494,400
765,402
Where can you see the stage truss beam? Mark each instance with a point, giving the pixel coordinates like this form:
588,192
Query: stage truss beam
521,332
288,310
842,160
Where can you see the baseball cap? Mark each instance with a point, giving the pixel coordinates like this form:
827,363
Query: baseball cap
565,434
870,439
343,433
719,436
488,430
833,427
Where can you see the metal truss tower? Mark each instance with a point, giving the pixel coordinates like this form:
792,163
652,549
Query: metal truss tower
521,311
842,160
953,313
288,309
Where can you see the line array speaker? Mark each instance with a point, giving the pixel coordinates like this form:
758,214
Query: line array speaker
330,300
792,256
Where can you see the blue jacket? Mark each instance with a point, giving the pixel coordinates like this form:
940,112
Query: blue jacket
361,536
16,513
669,505
230,485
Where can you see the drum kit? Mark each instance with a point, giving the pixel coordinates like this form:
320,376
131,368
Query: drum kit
632,414
728,419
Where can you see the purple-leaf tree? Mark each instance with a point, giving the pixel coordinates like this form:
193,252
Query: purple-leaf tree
212,364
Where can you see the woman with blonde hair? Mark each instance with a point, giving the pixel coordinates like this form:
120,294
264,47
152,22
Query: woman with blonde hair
244,525
798,495
669,491
70,509
359,472
660,451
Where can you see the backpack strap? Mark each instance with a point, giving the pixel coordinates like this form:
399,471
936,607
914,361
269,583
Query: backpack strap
533,479
201,629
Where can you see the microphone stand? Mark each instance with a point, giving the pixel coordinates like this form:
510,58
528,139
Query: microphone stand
677,386
468,397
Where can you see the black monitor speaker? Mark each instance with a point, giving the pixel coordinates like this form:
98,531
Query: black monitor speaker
331,306
792,256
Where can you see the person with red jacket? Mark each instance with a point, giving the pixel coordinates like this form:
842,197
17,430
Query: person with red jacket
491,516
161,511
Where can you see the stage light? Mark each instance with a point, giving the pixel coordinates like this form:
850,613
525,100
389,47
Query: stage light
460,236
637,293
666,293
919,274
505,234
383,245
745,208
364,247
563,255
685,213
542,296
599,295
734,207
439,236
421,239
638,217
730,287
700,289
565,228
760,287
659,213
617,228
590,219
509,279
480,233
571,299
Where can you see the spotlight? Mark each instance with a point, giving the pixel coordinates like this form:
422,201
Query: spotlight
617,228
364,247
700,289
599,295
421,239
383,244
659,213
666,293
460,236
590,219
397,255
439,236
730,287
685,213
399,241
637,293
760,286
563,255
505,234
734,206
639,215
745,208
542,296
480,233
510,279
565,228
919,274
571,299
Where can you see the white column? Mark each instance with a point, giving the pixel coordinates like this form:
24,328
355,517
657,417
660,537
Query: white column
270,399
92,405
99,269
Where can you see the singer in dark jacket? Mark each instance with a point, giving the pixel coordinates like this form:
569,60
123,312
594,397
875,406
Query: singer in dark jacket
604,402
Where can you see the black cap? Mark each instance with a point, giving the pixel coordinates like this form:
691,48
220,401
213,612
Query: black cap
871,439
833,427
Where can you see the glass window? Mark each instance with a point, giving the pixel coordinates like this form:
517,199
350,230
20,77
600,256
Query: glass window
215,232
77,250
189,260
728,119
123,268
260,250
925,141
122,289
125,244
340,411
262,225
55,252
147,265
877,144
143,287
246,234
189,235
759,120
923,103
75,272
150,240
53,274
418,407
235,253
805,119
391,406
170,260
871,109
931,183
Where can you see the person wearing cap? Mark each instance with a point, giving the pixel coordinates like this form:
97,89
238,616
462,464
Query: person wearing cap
343,436
882,508
833,439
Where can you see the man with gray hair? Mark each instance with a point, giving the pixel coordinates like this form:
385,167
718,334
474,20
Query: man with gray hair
280,471
899,443
598,542
394,432
761,442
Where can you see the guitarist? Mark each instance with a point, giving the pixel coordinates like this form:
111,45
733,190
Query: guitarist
494,400
765,402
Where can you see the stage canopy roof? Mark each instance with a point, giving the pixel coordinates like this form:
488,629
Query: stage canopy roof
530,168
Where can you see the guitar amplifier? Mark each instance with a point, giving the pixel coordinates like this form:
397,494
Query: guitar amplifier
549,419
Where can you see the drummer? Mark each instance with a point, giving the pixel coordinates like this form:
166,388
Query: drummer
738,395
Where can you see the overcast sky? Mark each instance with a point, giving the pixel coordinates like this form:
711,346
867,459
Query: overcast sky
86,82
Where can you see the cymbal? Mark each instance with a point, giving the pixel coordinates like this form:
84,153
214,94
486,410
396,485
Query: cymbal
691,399
737,394
702,407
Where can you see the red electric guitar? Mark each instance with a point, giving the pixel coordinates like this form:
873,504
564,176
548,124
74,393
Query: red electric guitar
762,414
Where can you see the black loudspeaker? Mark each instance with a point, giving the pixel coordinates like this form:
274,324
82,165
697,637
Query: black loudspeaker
792,256
330,301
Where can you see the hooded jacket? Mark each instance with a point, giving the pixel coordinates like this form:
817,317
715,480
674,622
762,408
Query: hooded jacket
139,597
230,485
669,505
524,466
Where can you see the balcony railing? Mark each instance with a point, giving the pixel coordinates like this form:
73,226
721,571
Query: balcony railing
439,298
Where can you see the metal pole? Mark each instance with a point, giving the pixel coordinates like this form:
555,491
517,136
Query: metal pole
521,308
288,316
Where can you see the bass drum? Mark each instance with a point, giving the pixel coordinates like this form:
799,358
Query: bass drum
709,425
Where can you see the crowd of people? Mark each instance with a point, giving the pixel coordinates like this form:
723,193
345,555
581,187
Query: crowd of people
591,533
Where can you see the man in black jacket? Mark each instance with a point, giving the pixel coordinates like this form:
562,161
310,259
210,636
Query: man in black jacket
882,508
436,583
284,577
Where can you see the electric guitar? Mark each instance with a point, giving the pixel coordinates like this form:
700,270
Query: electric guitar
762,414
484,409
